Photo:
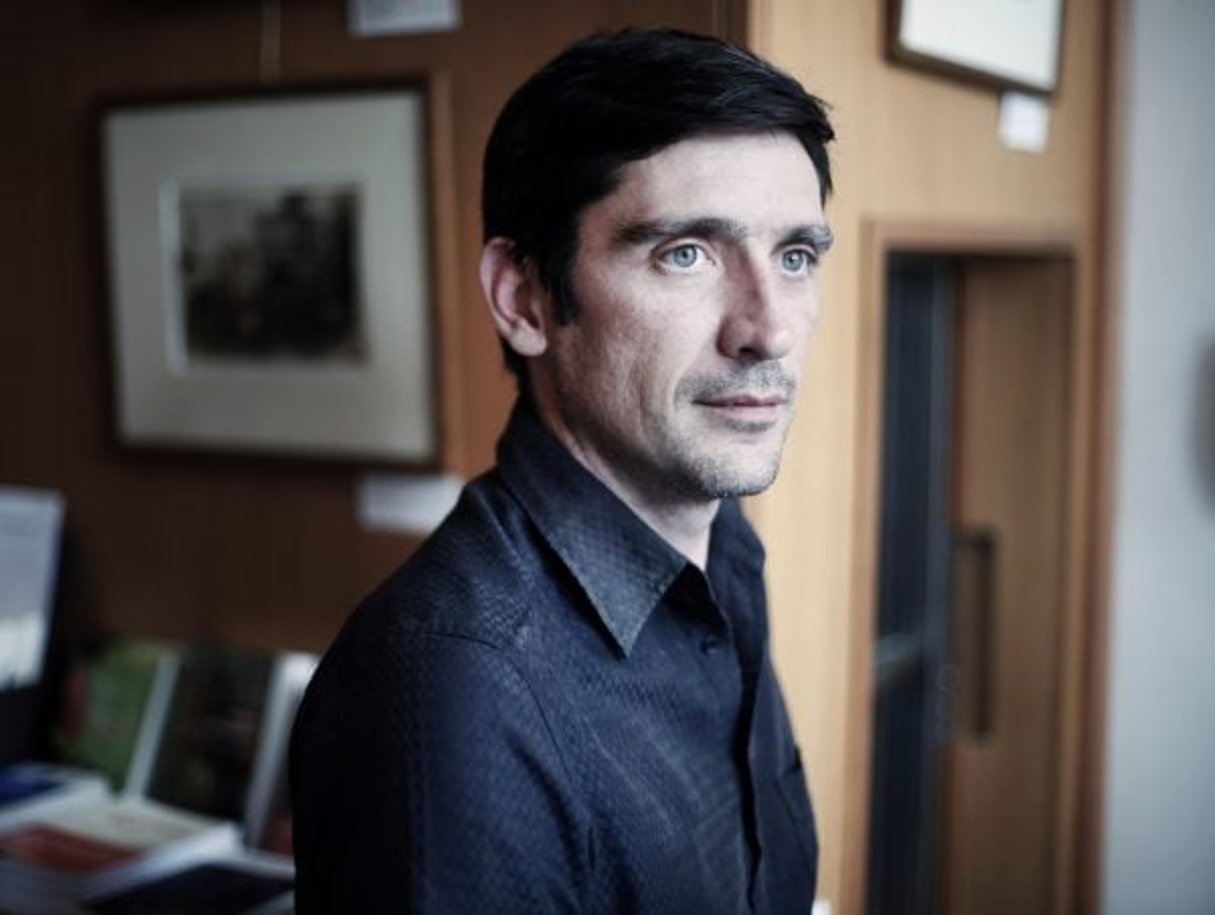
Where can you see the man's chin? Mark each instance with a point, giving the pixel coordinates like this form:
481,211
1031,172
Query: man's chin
724,480
748,487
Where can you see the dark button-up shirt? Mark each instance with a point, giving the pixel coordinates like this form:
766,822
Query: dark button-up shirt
549,709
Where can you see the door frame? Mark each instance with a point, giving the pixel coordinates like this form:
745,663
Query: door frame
1083,627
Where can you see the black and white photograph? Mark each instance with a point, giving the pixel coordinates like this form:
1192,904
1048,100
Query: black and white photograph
267,274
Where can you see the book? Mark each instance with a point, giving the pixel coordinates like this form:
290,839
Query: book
219,760
242,882
260,875
100,849
208,745
31,790
117,708
268,812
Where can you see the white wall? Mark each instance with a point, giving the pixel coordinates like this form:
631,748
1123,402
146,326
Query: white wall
1159,854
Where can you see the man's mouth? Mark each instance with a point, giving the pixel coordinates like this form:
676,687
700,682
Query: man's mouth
751,400
743,401
752,412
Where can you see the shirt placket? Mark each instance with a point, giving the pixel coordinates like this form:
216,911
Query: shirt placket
734,590
724,659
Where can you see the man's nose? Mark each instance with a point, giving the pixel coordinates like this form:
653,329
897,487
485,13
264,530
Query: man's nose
759,321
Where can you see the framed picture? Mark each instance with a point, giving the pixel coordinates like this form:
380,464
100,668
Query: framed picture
1012,44
269,268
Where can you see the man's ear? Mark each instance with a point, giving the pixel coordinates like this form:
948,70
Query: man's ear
517,302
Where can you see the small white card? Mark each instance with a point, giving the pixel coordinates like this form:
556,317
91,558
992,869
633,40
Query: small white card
369,18
1024,122
406,504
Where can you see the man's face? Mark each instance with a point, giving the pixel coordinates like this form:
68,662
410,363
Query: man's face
697,292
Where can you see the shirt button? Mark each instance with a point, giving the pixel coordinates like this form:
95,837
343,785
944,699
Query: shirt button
710,644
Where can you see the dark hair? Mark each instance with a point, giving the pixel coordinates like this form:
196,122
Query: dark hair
562,139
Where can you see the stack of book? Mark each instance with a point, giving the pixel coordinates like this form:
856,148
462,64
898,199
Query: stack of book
32,790
181,806
81,853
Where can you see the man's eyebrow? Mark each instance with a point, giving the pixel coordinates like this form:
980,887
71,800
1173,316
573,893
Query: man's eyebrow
817,236
647,231
814,235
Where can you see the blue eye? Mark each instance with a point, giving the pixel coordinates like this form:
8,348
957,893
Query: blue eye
683,257
796,260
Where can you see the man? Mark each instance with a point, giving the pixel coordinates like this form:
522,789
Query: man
563,702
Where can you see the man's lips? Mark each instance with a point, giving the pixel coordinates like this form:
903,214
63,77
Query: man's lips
745,412
742,401
757,396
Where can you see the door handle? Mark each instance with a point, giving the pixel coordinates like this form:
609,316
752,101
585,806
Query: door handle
973,556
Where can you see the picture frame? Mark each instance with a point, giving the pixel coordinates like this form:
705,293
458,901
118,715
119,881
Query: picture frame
271,272
1005,44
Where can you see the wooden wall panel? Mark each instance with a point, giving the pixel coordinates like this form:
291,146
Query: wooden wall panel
261,551
913,149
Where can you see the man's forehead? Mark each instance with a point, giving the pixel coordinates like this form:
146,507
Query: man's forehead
707,162
752,181
725,145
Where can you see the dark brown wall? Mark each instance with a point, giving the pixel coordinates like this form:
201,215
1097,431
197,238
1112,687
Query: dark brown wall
261,551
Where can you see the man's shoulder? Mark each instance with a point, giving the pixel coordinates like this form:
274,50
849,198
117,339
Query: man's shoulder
470,578
463,595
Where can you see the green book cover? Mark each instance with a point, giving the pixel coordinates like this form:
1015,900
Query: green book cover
116,707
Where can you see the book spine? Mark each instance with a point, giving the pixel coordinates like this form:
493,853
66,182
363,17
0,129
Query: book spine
152,726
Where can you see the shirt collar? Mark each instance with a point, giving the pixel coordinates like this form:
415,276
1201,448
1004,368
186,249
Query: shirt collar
621,563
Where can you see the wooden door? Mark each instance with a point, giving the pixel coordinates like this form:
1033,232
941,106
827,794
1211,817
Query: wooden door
1009,471
966,755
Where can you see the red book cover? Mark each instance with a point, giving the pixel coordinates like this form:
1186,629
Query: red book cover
46,846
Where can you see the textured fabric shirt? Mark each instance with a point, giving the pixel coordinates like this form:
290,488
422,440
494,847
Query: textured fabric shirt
549,709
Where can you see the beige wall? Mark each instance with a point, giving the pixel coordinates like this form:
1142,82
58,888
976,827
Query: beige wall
912,148
1161,749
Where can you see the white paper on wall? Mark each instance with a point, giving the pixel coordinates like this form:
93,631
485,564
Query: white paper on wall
369,18
406,504
1024,122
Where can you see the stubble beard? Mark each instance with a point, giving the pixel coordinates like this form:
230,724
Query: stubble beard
714,471
699,473
731,457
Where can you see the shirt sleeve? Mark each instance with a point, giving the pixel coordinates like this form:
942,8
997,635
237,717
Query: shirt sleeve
425,779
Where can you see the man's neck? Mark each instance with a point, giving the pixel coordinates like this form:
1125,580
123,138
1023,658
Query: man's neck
686,527
685,523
